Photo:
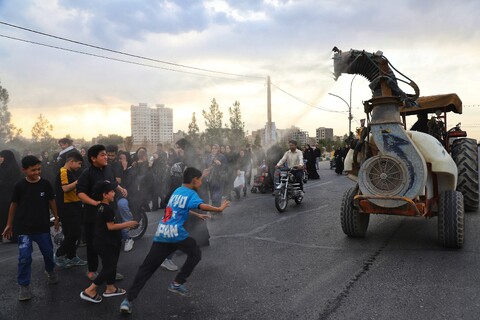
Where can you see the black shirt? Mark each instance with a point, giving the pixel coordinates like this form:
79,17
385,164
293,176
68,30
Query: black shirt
103,236
33,211
85,184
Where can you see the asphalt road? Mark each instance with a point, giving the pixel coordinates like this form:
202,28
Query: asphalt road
296,265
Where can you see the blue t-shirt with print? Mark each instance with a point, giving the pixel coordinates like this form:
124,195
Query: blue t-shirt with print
170,228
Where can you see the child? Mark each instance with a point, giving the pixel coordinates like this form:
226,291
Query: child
99,170
32,200
172,236
107,242
70,211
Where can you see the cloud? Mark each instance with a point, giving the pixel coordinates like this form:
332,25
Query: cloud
433,42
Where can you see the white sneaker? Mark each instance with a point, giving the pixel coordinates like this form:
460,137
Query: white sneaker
169,265
128,245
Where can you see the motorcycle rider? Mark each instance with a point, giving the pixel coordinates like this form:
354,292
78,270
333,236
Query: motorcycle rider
294,159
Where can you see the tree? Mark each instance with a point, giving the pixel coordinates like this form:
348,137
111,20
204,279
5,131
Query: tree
213,123
128,143
7,129
193,131
237,126
41,137
111,139
41,129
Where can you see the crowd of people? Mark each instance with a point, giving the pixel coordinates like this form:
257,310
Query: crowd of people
149,179
93,192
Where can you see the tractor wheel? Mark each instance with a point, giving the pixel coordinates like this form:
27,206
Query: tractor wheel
465,155
451,219
354,223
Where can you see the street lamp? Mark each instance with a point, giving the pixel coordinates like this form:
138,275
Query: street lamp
349,112
349,105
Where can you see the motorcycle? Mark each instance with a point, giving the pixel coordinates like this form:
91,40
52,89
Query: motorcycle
287,188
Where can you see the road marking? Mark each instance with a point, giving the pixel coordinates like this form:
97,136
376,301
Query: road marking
313,246
267,225
317,185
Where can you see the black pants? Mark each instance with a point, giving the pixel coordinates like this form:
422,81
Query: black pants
109,255
299,177
71,219
158,252
92,255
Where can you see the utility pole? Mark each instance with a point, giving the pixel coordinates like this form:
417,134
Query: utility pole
350,109
349,112
349,105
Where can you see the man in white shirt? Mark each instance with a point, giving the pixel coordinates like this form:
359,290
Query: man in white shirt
294,159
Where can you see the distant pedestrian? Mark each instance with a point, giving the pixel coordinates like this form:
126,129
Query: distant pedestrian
171,236
243,164
107,242
66,144
309,155
32,200
231,173
218,174
48,167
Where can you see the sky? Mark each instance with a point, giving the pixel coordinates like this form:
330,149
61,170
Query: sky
433,42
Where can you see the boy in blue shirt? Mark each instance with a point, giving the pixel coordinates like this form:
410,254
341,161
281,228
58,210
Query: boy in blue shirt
172,236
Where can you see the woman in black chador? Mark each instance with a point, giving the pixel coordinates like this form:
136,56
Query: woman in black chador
309,155
9,174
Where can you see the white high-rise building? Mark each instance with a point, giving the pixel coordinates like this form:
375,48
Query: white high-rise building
152,125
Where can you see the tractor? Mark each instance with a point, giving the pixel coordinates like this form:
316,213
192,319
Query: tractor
400,172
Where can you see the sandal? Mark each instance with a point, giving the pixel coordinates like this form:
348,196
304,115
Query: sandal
117,292
86,297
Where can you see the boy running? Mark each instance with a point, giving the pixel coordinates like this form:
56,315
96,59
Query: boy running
107,242
172,236
32,200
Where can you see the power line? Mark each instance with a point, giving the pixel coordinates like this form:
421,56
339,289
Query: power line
148,59
121,60
307,102
127,54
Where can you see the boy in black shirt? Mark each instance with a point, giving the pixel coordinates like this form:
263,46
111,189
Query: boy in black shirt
32,200
107,241
99,170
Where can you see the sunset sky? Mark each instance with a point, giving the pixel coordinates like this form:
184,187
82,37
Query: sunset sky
433,42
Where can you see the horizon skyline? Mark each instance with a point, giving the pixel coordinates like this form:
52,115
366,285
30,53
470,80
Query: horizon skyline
248,133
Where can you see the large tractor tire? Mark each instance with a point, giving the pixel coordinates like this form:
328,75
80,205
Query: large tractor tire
354,223
465,155
451,219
